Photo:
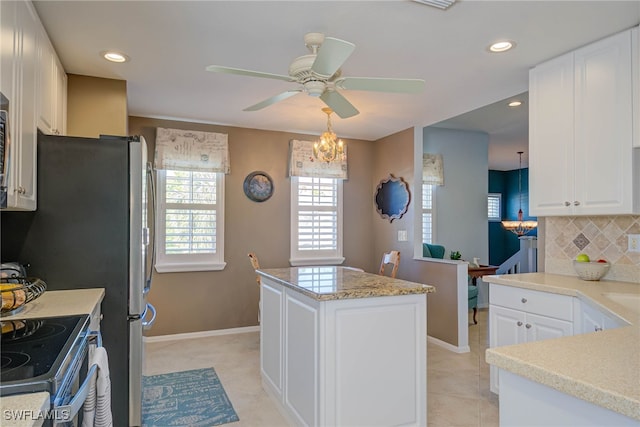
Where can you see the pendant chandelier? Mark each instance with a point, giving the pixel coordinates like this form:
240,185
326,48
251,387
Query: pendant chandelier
520,227
329,147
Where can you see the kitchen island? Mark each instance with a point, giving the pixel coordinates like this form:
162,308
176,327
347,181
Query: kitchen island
340,346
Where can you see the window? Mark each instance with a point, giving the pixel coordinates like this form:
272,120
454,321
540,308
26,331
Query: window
316,221
428,210
190,221
494,205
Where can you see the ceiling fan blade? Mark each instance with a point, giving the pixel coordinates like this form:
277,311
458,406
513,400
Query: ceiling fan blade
339,104
331,55
240,71
279,97
381,84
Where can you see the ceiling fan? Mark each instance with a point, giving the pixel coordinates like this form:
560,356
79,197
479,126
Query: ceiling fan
319,75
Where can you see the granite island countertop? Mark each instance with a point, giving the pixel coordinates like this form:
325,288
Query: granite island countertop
324,283
602,368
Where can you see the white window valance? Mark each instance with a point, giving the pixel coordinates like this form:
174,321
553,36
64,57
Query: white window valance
432,169
303,163
191,150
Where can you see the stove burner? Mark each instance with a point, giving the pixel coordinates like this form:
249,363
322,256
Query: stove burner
45,331
13,359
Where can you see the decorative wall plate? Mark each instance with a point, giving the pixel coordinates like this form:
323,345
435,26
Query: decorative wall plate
258,186
392,198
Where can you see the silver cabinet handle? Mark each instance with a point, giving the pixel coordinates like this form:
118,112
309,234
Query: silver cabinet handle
567,204
519,323
528,326
523,300
576,203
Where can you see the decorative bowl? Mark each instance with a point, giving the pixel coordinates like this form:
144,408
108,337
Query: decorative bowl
18,291
591,270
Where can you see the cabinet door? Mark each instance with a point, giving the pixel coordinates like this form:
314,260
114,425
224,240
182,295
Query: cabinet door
540,328
551,174
271,328
60,98
506,327
604,126
46,84
21,193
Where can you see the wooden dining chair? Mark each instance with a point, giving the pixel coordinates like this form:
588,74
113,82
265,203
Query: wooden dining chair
255,264
391,257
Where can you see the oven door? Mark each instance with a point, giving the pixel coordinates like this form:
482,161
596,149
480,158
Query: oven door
77,385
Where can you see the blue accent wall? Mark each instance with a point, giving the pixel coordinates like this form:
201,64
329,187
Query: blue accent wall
502,243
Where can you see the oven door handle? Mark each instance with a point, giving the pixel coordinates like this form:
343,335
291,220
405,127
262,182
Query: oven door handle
73,407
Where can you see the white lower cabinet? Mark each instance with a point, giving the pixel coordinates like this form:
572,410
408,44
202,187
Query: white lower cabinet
589,319
519,315
344,362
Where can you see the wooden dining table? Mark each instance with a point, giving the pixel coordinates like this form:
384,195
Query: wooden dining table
482,270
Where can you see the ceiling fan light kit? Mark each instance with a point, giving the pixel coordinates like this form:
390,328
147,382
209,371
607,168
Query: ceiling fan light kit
320,76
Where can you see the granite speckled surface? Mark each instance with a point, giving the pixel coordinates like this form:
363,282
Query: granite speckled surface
602,368
32,405
324,283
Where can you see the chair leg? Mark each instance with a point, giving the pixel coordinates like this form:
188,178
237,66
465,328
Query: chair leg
475,311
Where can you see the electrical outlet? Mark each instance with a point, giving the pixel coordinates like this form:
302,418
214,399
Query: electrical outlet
634,242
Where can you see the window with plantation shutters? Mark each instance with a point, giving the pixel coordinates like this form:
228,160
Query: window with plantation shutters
427,213
190,218
316,221
494,206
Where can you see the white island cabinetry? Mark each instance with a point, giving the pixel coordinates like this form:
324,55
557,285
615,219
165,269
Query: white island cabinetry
342,347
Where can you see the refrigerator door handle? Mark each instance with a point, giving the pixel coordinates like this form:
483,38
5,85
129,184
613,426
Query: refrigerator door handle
147,324
152,240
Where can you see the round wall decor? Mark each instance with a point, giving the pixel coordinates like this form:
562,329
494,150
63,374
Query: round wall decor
258,186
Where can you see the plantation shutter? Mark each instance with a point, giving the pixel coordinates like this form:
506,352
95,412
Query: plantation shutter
317,214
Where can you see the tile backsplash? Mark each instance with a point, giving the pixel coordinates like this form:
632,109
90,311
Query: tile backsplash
597,236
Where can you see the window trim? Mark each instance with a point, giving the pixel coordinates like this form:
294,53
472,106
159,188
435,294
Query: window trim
499,197
188,262
298,258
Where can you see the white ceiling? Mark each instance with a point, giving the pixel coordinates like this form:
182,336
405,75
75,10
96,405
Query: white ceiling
171,42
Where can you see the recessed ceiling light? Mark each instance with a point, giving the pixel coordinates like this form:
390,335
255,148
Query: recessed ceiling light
515,103
114,56
501,46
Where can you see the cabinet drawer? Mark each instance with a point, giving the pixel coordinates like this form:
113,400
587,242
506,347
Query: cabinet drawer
536,302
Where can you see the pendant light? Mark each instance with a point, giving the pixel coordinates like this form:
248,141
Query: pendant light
329,147
520,227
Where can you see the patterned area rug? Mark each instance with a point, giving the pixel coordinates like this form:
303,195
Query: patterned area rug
188,398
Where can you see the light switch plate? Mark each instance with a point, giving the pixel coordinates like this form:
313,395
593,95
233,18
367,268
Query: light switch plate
634,242
402,235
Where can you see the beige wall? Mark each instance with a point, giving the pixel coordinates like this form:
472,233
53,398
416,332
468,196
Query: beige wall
190,302
394,155
96,106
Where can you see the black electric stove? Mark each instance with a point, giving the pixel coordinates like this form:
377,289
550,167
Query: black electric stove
38,354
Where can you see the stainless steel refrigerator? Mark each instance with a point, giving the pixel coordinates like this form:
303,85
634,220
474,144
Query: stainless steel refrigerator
90,230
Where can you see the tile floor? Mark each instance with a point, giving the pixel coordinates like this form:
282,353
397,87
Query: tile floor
457,384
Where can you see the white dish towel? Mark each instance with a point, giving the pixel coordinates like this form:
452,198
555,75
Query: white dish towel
97,407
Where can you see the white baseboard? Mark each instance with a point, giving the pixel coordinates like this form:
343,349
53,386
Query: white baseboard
447,346
201,334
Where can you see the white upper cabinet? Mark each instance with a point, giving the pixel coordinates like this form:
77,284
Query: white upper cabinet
52,87
582,131
34,83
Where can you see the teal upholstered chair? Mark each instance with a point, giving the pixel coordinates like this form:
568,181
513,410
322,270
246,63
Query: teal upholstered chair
437,251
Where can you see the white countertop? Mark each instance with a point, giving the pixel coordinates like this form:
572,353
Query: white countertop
24,410
599,367
61,303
